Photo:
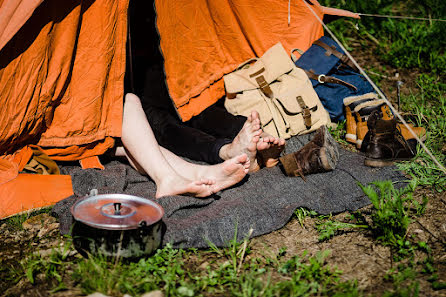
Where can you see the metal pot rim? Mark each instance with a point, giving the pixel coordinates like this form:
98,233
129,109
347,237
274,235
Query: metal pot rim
95,210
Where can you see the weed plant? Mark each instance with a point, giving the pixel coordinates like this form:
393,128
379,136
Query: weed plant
327,228
301,213
51,268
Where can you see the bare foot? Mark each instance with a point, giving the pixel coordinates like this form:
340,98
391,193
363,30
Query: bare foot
228,173
215,178
179,185
269,149
245,142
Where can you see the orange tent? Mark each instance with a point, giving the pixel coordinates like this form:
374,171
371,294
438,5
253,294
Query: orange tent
62,67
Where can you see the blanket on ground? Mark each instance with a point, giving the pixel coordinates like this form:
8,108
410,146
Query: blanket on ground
264,201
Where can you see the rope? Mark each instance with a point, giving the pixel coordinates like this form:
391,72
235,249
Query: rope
400,17
378,90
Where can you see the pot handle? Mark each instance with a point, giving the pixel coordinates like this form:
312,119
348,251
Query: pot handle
93,192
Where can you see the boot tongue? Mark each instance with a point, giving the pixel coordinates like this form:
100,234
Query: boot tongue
385,126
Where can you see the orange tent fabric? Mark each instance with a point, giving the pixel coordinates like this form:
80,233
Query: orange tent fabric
203,40
30,191
13,14
62,67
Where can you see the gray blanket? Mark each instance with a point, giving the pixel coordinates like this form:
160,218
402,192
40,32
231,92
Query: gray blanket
264,201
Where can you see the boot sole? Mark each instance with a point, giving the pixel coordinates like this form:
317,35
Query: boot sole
378,163
382,162
329,152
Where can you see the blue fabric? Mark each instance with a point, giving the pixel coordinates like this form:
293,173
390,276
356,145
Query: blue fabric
332,95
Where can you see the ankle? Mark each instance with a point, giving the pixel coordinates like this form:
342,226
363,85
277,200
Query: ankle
224,152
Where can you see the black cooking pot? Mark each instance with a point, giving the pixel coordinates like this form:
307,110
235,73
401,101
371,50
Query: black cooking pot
117,225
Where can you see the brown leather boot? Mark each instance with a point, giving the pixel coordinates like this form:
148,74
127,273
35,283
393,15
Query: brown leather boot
363,137
386,144
319,155
419,131
362,112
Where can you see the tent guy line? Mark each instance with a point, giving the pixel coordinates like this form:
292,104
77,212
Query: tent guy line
400,17
441,167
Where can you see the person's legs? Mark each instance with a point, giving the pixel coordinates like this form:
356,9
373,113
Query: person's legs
145,154
212,136
169,130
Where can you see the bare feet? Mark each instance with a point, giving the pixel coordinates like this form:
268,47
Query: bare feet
228,173
245,142
178,185
214,178
269,149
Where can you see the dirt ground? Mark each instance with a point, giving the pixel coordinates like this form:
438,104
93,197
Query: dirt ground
356,253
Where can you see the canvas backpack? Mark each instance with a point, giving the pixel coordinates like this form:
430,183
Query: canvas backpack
277,89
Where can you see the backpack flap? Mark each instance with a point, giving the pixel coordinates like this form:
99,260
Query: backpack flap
299,105
260,74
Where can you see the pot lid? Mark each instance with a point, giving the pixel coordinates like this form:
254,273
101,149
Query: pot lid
117,211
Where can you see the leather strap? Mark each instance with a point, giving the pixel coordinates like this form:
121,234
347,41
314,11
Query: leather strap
231,95
264,86
261,70
331,50
322,78
298,170
305,112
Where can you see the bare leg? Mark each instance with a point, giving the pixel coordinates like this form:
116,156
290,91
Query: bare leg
145,154
143,150
245,142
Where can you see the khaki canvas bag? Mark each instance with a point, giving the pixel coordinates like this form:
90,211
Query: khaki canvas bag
279,91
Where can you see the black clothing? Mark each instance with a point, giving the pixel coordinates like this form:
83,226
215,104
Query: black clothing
200,138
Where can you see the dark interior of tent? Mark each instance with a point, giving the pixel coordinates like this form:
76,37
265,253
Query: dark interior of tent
142,44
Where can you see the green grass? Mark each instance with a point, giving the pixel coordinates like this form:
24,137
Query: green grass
36,268
392,212
298,276
400,43
302,213
228,273
415,45
428,109
16,222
